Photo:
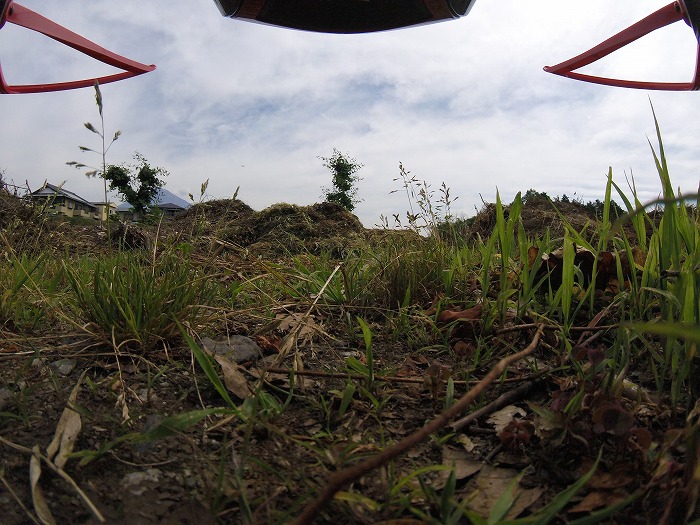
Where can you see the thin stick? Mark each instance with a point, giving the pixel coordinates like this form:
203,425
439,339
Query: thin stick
98,515
391,379
552,327
19,501
494,405
344,477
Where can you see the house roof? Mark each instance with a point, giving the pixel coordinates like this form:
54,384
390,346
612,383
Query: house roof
165,200
50,190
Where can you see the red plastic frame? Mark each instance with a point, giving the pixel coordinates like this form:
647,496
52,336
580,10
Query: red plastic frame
21,16
666,15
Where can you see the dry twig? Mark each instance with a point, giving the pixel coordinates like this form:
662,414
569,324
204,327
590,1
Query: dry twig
344,477
498,403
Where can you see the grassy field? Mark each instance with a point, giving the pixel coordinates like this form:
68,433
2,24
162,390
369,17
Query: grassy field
532,365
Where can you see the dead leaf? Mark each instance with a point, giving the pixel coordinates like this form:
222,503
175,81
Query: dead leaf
67,430
532,253
234,379
303,325
471,314
121,401
462,462
598,499
40,506
490,485
611,480
466,442
501,418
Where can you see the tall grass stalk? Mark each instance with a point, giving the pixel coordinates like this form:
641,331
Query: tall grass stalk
102,171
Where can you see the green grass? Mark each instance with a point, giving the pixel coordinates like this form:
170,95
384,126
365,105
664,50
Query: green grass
134,299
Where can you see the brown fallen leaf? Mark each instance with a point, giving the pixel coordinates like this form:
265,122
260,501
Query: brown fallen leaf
67,430
304,326
492,483
461,461
501,418
234,379
40,506
470,314
598,499
616,479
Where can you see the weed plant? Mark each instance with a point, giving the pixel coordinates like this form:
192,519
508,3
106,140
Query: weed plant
139,300
20,308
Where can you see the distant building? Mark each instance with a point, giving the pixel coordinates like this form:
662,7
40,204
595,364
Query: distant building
167,202
61,201
102,208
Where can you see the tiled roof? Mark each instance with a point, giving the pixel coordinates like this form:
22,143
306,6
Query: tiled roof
49,190
165,200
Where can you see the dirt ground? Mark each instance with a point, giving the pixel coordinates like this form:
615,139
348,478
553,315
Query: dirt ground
225,469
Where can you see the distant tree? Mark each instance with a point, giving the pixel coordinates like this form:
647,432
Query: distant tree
532,197
343,169
138,184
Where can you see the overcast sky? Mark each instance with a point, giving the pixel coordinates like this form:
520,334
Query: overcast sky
463,102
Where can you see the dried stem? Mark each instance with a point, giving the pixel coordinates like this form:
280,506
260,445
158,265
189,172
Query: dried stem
344,477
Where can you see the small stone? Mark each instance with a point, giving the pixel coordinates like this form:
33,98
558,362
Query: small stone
64,366
238,348
136,483
6,399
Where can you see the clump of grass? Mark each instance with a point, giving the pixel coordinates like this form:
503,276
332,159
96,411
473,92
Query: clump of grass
669,295
19,307
137,300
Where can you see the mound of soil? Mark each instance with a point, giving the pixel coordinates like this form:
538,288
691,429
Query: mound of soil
539,217
277,230
28,229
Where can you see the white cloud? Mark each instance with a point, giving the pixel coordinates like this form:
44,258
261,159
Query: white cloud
464,102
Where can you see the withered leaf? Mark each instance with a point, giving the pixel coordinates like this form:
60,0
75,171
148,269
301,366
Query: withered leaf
67,430
470,314
234,379
40,506
613,419
598,499
492,483
501,418
461,461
